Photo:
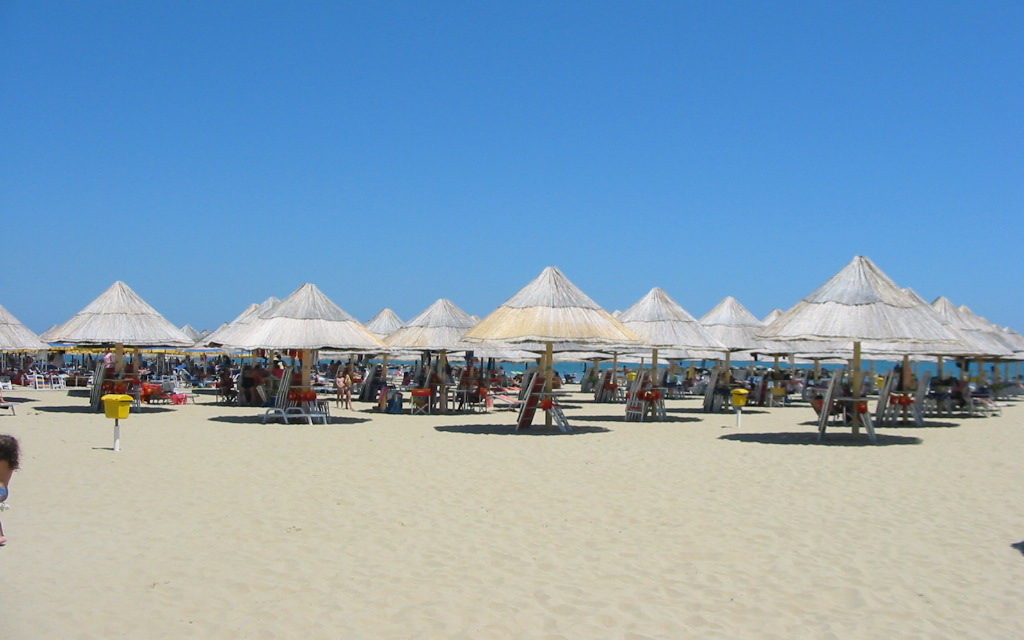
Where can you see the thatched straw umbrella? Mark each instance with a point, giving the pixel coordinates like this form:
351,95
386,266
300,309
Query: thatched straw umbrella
384,323
15,336
664,324
860,303
224,334
438,328
118,317
980,325
189,331
982,341
770,318
734,326
553,312
306,321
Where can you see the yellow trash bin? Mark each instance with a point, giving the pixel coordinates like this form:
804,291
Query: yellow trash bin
739,397
116,405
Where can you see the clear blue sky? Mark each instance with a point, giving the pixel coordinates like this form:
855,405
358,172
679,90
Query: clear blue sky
212,154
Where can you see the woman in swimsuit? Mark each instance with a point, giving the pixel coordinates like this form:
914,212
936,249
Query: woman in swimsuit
343,383
8,463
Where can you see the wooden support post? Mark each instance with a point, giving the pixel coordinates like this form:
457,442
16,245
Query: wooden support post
654,367
939,364
442,376
304,376
856,381
118,360
549,357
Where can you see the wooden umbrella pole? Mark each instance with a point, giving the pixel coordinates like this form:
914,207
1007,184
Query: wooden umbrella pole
382,400
442,381
549,356
305,354
855,385
118,360
939,372
654,367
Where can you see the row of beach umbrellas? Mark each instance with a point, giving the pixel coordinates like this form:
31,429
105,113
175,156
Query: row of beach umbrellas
859,308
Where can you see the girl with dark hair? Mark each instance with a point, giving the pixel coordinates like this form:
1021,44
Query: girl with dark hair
8,463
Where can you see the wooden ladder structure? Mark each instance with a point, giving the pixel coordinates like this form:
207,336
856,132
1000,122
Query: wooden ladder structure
826,409
604,391
709,393
826,402
530,395
534,389
558,417
885,412
97,385
635,409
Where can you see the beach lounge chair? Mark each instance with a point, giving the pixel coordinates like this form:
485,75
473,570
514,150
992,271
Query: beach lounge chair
504,401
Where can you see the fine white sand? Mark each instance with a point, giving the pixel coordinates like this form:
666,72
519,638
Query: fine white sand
210,525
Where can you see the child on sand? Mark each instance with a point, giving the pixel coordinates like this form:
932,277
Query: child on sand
8,463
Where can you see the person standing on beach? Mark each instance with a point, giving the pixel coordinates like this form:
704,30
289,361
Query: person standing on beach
343,384
8,463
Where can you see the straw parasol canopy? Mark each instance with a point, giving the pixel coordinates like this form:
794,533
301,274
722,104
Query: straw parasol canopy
861,303
15,336
733,325
981,341
119,316
551,309
770,318
1015,339
189,331
439,327
223,334
305,320
661,322
384,323
987,327
554,312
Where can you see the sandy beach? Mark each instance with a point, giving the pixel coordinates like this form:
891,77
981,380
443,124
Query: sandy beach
210,525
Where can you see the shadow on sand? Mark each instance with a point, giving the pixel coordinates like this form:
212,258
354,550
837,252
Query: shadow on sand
332,421
87,409
1019,546
698,410
928,424
830,439
622,418
510,430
